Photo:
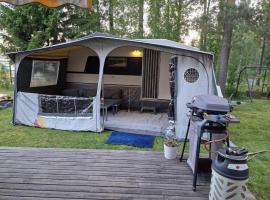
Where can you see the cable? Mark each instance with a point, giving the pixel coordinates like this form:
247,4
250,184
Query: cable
218,141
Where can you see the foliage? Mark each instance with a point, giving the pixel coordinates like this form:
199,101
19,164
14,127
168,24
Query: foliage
170,141
166,19
32,26
4,78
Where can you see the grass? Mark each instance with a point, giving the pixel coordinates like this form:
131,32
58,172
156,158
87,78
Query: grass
23,136
7,91
253,132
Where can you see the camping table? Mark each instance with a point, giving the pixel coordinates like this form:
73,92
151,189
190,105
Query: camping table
107,104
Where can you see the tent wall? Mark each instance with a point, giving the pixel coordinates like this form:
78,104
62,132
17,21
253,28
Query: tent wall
28,113
187,89
77,59
24,77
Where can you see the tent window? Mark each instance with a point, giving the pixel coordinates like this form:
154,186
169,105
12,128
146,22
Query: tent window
44,73
116,62
65,106
191,75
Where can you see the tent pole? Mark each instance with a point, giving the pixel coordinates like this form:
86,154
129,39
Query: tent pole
17,63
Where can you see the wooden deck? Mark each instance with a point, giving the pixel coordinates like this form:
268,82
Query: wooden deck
57,174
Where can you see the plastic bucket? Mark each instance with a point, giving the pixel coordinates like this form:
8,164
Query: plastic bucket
170,152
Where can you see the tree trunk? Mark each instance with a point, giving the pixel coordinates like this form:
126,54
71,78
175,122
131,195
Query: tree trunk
226,46
261,60
204,25
141,12
111,16
99,15
179,19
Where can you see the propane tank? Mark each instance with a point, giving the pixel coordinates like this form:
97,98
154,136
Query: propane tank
229,175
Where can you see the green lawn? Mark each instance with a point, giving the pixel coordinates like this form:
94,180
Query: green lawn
7,91
23,136
253,133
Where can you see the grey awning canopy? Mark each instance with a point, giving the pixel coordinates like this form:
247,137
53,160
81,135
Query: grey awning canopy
164,43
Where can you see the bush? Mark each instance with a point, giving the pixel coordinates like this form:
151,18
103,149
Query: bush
4,78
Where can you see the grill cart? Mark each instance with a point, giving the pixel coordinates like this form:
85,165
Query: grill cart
208,122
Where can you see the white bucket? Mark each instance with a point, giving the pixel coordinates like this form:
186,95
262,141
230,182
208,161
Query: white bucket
170,152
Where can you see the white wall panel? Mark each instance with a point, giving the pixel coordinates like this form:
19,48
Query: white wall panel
77,59
186,91
164,75
108,79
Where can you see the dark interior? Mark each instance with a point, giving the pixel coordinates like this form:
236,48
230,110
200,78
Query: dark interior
25,72
129,96
133,66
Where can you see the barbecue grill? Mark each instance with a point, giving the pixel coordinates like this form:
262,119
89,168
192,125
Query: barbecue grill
209,104
208,114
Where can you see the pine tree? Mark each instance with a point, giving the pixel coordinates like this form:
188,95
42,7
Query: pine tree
33,25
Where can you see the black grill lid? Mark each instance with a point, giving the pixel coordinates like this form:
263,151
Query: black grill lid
210,103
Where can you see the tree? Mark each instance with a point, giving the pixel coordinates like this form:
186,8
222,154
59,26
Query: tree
154,18
111,16
32,26
262,25
166,19
205,24
226,43
141,12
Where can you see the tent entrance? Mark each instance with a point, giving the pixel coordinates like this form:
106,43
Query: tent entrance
137,122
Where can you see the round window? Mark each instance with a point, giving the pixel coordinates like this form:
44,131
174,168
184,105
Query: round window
191,75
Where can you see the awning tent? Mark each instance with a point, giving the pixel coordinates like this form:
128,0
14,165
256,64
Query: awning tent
102,45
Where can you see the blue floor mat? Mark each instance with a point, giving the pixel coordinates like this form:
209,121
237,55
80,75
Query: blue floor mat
131,139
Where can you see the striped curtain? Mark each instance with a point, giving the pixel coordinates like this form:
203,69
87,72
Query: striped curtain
150,74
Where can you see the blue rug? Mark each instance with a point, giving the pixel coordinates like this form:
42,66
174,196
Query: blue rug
131,139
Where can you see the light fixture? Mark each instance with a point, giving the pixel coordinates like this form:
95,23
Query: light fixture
137,53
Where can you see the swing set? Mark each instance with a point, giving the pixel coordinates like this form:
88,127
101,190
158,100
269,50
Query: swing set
257,81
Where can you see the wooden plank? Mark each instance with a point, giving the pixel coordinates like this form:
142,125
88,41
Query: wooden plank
114,173
81,195
88,153
89,179
116,168
87,163
185,179
66,161
94,157
97,189
76,151
104,183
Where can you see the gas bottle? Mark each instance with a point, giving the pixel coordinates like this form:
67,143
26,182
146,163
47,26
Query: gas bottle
229,175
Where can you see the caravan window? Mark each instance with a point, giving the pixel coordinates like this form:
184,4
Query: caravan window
44,73
115,66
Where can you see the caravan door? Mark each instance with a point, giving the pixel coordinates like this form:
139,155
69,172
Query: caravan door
192,79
